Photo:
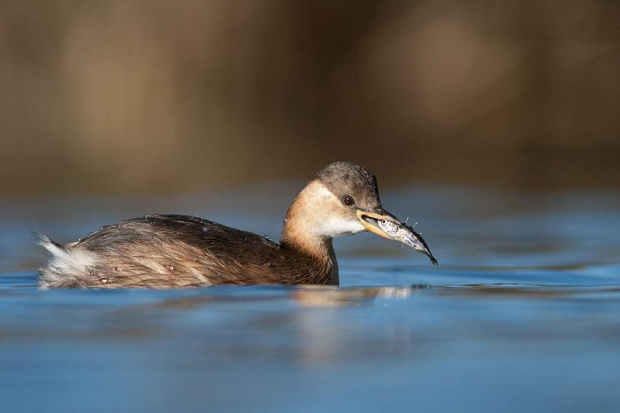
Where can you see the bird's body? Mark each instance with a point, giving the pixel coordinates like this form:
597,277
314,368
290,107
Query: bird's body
175,251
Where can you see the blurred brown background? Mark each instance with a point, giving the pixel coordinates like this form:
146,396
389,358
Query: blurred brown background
149,96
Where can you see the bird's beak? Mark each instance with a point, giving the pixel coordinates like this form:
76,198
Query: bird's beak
379,221
370,220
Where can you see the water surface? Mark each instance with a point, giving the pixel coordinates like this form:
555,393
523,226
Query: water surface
523,314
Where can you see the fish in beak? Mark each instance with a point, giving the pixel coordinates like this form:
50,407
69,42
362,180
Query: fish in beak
388,226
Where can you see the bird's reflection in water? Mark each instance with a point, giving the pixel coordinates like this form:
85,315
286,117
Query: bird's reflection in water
317,296
304,296
321,296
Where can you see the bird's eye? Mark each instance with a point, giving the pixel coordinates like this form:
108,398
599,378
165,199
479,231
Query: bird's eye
348,200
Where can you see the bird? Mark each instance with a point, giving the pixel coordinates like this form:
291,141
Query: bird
179,251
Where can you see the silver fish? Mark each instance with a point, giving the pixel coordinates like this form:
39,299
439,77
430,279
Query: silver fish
401,232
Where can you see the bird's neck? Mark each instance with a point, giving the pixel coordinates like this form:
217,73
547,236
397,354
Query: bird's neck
324,266
298,233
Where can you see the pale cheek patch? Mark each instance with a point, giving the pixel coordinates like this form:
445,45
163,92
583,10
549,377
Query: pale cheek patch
341,227
319,213
332,224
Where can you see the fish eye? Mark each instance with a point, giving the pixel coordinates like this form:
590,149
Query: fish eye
348,200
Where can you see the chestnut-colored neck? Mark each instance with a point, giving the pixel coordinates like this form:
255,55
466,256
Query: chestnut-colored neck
299,234
318,247
324,266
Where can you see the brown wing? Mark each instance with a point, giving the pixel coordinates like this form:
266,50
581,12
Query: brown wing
164,251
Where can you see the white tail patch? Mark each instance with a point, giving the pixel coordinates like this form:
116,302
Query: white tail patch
46,243
66,262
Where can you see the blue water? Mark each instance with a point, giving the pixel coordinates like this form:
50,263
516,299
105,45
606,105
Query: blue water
523,314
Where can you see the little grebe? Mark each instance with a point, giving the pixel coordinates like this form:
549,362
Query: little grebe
174,251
